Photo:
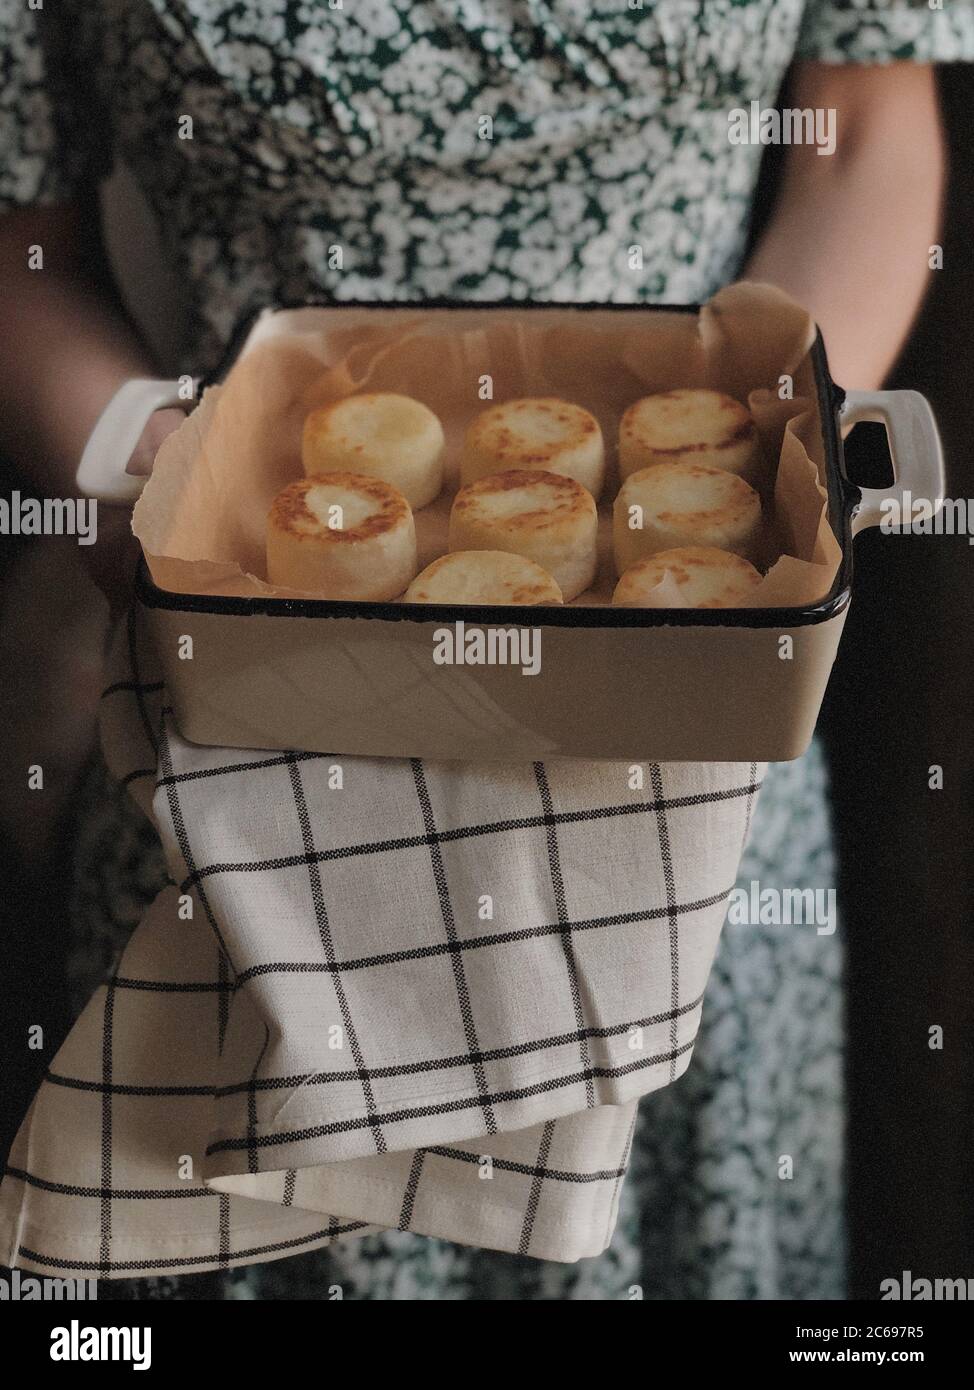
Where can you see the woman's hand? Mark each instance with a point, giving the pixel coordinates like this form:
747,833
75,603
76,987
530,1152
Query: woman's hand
67,347
113,558
160,425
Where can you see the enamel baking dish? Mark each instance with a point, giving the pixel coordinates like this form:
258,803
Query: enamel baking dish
646,684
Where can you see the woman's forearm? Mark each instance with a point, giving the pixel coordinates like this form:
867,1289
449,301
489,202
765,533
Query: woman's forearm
851,234
65,348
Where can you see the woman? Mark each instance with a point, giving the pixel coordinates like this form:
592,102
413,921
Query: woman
265,135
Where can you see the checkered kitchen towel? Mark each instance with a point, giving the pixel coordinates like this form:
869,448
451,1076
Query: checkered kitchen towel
379,993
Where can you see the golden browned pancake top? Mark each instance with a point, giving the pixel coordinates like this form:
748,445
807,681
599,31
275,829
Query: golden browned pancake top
290,512
503,441
740,499
559,496
727,422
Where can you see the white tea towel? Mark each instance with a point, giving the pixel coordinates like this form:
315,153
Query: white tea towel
378,993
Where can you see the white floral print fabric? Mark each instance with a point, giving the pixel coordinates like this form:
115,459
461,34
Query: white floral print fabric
479,149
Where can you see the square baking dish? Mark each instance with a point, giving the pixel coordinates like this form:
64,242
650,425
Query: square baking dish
641,684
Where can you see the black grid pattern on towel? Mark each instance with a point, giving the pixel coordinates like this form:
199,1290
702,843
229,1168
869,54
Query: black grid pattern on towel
305,854
470,1053
560,1063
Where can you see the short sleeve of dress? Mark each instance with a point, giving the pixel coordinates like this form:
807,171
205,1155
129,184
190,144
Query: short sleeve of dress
887,31
52,142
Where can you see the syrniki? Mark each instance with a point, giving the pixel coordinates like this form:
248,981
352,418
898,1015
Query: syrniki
380,435
341,536
545,517
702,576
483,576
676,504
689,426
535,432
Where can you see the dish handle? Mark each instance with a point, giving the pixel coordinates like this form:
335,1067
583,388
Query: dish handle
101,472
916,452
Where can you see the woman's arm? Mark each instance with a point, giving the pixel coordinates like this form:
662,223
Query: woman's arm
67,346
851,232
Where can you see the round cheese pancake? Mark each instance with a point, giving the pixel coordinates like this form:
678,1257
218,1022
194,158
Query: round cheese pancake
678,504
341,536
379,435
483,576
705,578
689,427
538,432
545,517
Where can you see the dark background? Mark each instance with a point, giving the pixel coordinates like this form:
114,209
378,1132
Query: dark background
899,701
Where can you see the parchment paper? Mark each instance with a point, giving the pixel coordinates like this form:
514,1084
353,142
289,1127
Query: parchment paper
202,515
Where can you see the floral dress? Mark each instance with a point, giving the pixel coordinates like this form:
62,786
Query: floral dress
485,149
